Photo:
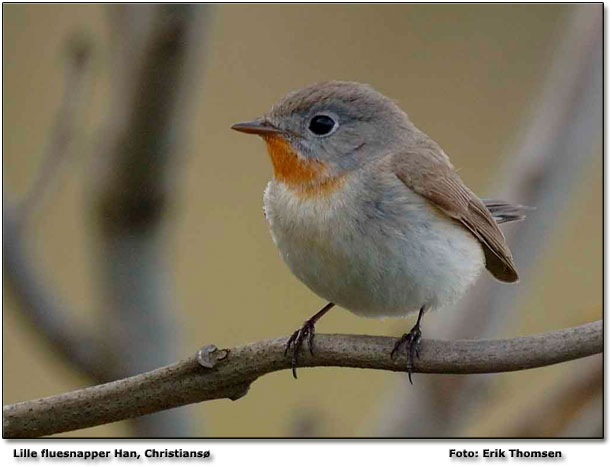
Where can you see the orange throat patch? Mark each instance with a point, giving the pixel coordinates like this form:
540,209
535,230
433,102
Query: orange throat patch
305,177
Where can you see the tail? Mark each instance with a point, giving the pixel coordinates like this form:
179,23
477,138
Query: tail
505,212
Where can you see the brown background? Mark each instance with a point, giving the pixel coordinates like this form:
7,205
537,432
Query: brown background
469,76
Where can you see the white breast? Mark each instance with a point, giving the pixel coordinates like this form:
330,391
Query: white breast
373,246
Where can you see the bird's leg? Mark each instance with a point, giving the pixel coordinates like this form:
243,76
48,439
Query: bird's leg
306,331
413,344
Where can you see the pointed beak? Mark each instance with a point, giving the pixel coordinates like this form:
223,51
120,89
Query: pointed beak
256,127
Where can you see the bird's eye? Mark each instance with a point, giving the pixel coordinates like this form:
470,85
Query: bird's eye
322,125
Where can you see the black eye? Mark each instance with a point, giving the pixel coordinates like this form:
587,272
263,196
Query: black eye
321,125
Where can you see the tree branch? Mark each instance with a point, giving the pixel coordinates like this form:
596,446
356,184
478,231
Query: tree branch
155,61
39,303
229,374
76,94
80,346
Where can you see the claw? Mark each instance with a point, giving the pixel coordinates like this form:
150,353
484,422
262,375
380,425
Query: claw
291,340
412,340
307,331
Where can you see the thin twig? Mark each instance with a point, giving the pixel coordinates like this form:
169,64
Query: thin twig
230,373
75,96
79,346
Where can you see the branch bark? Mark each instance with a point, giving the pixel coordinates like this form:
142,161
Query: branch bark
230,373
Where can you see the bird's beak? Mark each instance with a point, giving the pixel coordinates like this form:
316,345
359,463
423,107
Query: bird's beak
256,127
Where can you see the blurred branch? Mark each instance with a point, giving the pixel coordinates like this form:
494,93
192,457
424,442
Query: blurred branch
154,70
80,347
229,374
588,422
78,55
557,142
154,65
553,411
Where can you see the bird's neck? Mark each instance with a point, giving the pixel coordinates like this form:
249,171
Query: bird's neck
305,177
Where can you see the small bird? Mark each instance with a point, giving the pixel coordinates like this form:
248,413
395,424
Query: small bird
368,211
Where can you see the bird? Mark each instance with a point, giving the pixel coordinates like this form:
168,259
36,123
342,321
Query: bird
369,213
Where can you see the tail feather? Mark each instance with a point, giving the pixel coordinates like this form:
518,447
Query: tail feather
505,212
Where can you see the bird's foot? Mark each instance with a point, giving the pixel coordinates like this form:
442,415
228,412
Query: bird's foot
412,341
307,331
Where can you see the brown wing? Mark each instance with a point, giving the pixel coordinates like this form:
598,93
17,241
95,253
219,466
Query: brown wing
428,172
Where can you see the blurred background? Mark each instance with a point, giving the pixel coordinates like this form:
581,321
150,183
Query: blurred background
132,215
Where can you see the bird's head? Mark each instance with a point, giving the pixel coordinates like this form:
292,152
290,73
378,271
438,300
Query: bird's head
327,130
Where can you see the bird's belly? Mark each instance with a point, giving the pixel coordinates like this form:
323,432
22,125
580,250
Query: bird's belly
373,265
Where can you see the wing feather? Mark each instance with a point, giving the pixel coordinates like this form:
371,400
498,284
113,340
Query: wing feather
428,172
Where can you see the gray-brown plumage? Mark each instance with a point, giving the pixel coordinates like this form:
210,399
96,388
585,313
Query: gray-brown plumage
420,163
368,211
435,178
